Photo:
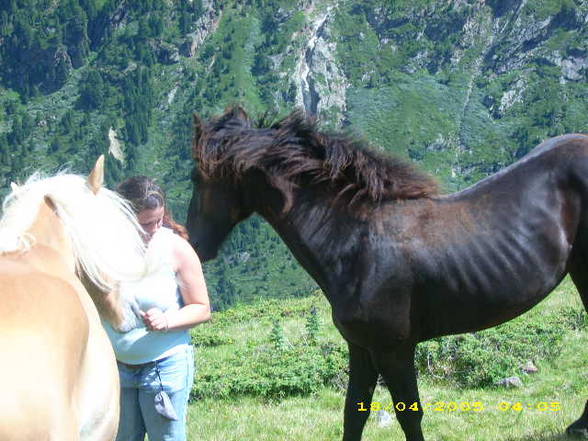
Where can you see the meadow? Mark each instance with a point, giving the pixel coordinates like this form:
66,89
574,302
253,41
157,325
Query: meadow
276,370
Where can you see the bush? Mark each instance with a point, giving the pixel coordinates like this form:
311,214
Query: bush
265,372
206,335
483,358
574,318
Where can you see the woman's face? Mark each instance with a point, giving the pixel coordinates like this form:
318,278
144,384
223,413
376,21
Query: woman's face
151,221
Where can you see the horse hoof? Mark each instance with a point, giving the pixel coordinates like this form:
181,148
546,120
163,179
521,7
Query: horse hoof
577,431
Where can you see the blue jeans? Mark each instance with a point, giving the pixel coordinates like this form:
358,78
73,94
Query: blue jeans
175,375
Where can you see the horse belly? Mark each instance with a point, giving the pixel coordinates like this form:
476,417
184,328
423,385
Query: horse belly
481,281
449,308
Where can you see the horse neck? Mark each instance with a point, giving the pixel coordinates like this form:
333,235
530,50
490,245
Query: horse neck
53,253
50,238
319,234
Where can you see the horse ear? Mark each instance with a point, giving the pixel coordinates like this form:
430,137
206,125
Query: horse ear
48,230
197,128
14,186
96,176
44,220
49,202
239,113
197,134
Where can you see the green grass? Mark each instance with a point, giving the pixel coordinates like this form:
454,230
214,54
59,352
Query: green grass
319,416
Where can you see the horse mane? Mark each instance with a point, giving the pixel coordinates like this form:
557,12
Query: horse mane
102,227
293,150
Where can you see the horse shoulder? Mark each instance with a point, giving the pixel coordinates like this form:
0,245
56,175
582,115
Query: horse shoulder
35,300
51,331
372,303
98,390
44,332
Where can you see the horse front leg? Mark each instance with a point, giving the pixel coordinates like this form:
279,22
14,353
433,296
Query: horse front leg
362,382
397,368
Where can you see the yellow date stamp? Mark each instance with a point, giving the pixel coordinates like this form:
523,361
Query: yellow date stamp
459,406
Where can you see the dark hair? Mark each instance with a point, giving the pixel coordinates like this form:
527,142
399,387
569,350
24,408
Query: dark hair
294,149
145,194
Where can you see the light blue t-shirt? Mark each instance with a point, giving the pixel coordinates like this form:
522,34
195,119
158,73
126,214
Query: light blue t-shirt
158,289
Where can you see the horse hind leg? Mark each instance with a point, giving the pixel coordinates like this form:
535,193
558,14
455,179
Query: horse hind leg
578,269
580,427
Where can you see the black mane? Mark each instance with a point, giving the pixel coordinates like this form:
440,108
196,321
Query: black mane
293,150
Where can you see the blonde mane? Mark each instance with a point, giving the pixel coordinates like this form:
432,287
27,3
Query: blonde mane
102,227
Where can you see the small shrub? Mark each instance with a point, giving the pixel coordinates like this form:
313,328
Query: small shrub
574,318
483,358
261,371
209,336
277,337
312,326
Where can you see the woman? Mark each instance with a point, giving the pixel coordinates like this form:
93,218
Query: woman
156,360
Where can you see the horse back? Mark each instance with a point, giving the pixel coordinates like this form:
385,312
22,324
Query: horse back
480,257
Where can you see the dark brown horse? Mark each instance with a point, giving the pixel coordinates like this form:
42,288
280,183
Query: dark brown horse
398,262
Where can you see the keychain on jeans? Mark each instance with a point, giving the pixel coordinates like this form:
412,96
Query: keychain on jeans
163,404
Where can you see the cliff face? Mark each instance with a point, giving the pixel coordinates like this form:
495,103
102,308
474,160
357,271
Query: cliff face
488,59
506,74
320,83
463,87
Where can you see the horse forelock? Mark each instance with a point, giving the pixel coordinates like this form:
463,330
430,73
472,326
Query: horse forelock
293,151
102,227
211,137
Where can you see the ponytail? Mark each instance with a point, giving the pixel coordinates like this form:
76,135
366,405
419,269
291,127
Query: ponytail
179,229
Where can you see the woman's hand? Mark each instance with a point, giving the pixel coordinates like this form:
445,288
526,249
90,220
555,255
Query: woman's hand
155,320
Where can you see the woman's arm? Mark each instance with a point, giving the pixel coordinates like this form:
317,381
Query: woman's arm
193,290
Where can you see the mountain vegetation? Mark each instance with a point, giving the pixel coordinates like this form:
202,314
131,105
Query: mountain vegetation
461,87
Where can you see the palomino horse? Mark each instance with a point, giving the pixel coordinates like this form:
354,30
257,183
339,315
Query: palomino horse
398,263
58,376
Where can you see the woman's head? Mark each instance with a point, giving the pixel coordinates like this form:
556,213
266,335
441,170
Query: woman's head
148,201
142,192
